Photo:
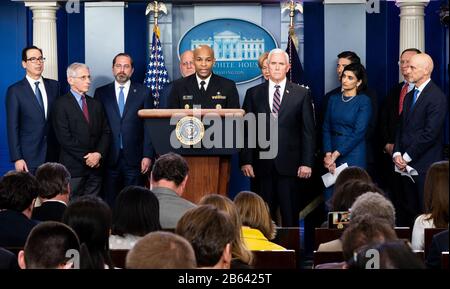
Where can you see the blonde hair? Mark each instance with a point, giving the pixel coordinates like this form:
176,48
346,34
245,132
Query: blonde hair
239,250
255,213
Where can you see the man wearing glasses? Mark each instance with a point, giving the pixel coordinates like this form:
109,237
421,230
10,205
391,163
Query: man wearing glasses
131,149
28,103
83,133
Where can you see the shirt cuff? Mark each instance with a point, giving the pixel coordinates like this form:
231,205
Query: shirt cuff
396,154
407,158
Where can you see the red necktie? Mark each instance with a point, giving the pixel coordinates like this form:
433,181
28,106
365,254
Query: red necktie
402,97
84,108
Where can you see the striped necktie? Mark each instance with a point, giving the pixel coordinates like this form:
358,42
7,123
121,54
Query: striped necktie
276,100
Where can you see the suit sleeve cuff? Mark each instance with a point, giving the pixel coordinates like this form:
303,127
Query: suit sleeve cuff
407,158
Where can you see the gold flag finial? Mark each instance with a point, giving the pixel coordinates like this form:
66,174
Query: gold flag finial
156,7
292,6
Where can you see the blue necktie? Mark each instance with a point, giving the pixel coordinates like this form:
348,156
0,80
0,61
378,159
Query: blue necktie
121,107
38,94
416,93
121,101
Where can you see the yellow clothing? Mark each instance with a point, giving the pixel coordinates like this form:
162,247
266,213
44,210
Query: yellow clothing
255,240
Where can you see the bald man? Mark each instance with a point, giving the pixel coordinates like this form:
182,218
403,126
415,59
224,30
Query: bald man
419,137
204,88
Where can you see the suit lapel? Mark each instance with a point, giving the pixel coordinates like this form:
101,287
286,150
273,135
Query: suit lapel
130,98
286,99
29,90
265,103
112,100
421,98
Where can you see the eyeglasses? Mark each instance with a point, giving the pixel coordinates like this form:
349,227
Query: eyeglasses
36,60
403,62
84,77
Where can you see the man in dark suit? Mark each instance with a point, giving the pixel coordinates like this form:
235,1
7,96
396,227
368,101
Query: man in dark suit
204,88
54,192
130,149
290,106
18,192
419,138
390,118
187,68
82,130
28,103
439,244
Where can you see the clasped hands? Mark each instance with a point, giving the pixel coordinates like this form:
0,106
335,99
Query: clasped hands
93,159
329,161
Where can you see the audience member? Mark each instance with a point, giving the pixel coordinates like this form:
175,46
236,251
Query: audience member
258,227
370,204
136,213
436,203
242,257
48,247
439,244
8,260
394,254
54,182
90,218
211,233
161,250
168,181
18,192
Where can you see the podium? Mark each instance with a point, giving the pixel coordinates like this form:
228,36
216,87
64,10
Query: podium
204,138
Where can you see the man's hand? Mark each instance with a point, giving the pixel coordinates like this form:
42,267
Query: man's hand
400,163
247,170
332,168
145,165
304,172
93,159
389,148
21,166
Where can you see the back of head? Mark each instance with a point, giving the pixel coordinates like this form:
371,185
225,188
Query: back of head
364,230
17,191
48,245
136,212
171,167
223,203
53,179
255,213
161,250
350,55
352,173
344,195
436,193
209,230
90,217
375,205
388,255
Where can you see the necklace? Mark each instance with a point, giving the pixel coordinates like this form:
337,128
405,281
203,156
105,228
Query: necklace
348,99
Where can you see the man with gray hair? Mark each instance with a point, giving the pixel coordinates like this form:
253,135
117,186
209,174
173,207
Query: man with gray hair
375,205
277,180
82,130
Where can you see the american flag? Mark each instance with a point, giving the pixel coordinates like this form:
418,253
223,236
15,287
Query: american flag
156,76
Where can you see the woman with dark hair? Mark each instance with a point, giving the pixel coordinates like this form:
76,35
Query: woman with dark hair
435,202
136,213
346,122
90,218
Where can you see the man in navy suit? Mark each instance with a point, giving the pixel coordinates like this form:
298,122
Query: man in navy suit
277,179
131,148
28,103
419,138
